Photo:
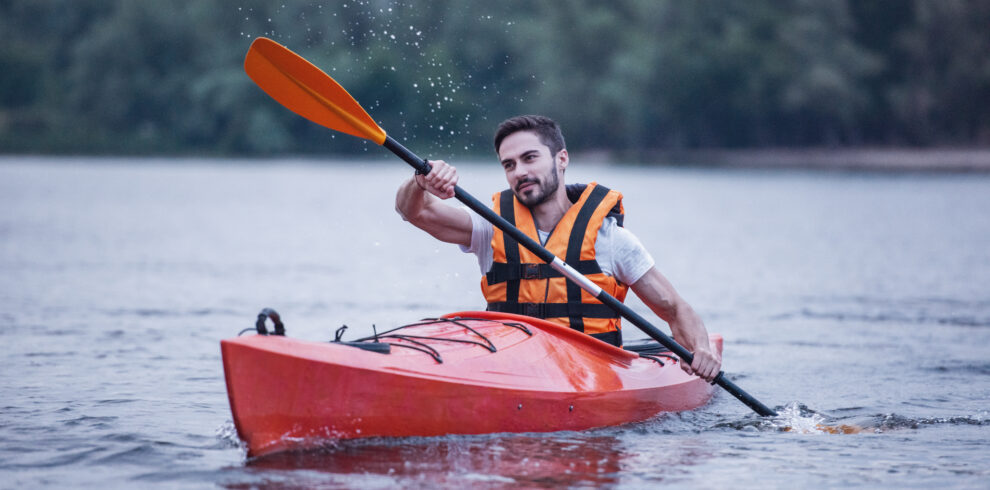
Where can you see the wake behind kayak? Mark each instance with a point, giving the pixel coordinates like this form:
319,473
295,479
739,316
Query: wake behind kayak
465,373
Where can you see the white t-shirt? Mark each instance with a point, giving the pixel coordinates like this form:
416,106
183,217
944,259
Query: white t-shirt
618,252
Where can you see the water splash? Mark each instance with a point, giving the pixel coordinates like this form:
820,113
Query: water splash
799,419
793,417
227,435
395,44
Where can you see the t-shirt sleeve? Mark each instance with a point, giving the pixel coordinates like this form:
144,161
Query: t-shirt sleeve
630,259
481,241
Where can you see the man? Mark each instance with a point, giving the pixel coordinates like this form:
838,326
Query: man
580,224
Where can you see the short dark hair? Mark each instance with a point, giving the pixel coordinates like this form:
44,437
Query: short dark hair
544,127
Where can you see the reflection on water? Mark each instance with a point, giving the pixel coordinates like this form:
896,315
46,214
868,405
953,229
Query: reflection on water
527,460
518,459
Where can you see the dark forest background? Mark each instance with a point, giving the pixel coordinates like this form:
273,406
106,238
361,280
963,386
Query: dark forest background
165,76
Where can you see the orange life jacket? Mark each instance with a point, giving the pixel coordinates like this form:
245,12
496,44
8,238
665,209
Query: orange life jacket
520,282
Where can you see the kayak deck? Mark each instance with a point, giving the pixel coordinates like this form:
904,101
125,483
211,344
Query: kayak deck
466,373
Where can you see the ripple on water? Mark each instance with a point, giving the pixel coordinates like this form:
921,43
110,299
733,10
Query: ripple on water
90,422
137,455
962,367
917,311
168,313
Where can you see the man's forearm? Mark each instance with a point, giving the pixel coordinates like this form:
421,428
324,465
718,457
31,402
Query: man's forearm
419,201
687,327
411,200
685,323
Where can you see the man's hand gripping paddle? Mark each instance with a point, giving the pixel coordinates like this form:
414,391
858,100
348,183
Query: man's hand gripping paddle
311,93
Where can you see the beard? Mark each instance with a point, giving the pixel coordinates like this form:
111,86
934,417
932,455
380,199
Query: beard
544,189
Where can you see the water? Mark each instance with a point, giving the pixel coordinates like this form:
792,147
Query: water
844,298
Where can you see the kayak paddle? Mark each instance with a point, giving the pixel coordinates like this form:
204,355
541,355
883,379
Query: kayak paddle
306,90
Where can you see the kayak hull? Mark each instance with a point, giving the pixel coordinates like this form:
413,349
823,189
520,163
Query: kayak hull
292,394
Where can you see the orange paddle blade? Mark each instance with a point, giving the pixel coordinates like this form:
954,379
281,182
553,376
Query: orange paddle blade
306,90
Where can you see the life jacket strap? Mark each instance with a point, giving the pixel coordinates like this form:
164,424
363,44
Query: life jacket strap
502,272
554,310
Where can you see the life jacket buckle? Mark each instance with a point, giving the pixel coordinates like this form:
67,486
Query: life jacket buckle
535,310
531,271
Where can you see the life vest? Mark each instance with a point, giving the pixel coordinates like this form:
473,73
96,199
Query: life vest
520,282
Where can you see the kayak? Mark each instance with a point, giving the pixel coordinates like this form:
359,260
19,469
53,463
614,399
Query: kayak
465,373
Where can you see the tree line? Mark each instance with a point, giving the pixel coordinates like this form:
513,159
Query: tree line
137,77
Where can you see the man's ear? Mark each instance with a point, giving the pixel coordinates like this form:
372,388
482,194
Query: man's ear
562,159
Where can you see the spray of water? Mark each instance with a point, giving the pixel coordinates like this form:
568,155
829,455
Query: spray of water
227,435
802,421
393,44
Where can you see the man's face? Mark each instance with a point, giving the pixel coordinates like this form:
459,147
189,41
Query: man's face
531,171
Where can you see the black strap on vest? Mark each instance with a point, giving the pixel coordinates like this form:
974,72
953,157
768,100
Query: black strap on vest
574,247
513,270
574,192
505,272
554,310
507,210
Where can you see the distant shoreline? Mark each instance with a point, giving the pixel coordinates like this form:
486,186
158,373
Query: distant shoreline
956,160
879,159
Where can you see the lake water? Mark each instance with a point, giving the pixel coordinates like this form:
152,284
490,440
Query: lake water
844,298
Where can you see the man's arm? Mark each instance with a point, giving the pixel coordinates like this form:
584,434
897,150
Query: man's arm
417,202
657,292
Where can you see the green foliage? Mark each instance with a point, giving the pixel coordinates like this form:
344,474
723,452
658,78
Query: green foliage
119,76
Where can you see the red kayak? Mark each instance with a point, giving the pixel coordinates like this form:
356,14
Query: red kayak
466,373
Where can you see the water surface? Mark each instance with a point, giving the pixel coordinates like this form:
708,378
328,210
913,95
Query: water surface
848,298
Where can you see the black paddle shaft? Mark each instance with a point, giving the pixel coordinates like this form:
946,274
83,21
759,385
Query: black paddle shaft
423,167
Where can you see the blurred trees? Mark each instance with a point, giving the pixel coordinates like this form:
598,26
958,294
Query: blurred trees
118,76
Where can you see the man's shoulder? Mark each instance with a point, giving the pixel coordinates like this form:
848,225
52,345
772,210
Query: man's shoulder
619,238
612,226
